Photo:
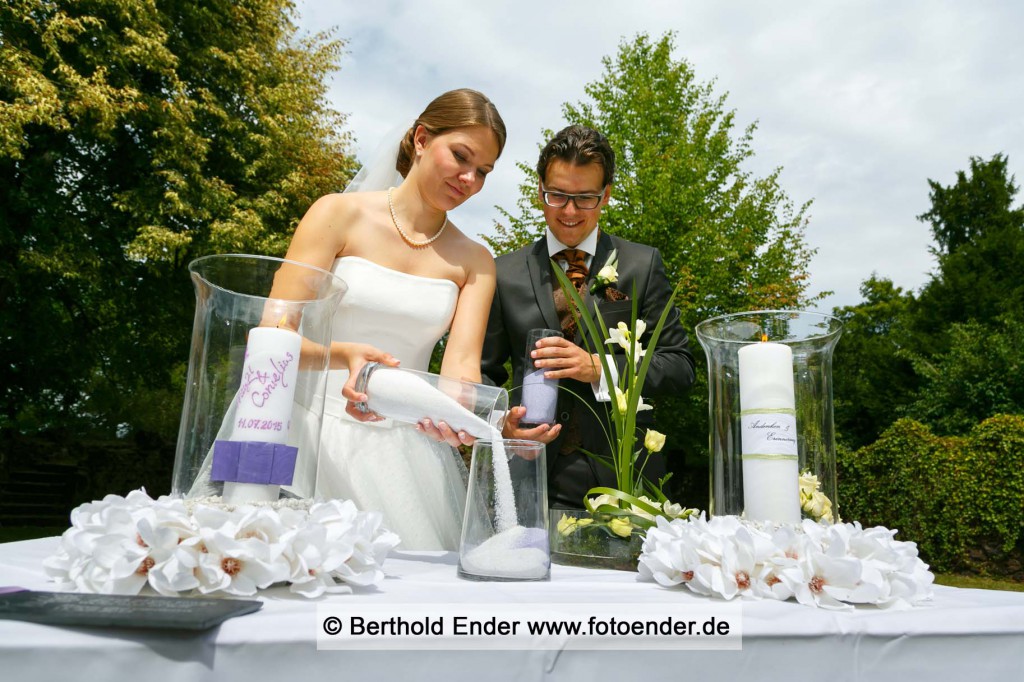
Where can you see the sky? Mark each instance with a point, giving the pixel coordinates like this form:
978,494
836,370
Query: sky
859,103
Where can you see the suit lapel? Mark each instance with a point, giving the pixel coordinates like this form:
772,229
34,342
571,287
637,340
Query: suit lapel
601,253
543,283
604,249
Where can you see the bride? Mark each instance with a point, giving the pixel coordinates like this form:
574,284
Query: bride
411,276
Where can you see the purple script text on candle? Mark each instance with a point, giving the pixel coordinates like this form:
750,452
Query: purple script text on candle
268,380
260,424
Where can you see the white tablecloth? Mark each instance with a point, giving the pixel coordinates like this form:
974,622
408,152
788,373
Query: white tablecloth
963,634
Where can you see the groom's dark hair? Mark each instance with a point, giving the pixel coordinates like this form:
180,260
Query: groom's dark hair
578,145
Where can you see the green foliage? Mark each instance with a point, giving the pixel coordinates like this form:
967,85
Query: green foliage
732,241
20,533
136,135
949,356
528,226
980,252
981,374
965,213
872,375
959,498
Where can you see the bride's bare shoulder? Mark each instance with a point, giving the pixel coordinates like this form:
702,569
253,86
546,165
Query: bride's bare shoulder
329,225
338,215
472,253
348,206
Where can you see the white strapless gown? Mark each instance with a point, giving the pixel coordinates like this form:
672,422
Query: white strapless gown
418,484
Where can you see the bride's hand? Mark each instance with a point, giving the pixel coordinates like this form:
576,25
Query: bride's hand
442,433
355,356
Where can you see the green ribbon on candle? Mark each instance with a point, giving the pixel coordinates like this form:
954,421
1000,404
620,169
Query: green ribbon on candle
764,410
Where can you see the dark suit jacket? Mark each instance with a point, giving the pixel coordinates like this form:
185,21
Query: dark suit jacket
524,301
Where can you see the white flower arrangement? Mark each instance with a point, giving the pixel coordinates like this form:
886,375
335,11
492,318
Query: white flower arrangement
813,502
609,274
121,544
832,566
633,492
622,336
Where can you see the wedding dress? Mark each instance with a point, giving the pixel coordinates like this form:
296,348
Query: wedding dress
417,483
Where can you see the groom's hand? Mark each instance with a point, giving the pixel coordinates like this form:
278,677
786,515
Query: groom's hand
545,433
563,359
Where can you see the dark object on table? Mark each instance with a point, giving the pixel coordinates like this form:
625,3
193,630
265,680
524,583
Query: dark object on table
122,611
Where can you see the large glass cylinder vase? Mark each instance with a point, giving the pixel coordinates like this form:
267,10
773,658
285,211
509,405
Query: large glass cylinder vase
250,424
811,339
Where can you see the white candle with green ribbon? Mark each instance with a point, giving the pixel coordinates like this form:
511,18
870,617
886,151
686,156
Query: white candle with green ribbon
768,426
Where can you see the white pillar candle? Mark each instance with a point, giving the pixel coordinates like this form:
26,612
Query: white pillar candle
265,401
769,442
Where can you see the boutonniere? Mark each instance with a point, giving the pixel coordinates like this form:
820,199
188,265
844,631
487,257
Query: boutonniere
608,274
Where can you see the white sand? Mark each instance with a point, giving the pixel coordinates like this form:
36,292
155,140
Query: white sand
505,516
504,556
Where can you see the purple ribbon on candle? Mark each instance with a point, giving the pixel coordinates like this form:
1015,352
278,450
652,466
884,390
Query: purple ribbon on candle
253,462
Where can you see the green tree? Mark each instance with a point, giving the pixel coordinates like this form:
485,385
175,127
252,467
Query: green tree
981,375
959,497
980,251
948,356
735,241
136,135
873,376
966,320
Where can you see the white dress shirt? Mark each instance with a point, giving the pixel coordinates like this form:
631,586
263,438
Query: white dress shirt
587,246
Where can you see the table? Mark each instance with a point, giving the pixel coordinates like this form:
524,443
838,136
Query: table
961,635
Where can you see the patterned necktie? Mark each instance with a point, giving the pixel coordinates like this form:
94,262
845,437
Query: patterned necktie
577,273
577,270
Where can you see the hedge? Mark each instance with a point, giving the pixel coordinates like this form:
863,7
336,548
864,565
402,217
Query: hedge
960,498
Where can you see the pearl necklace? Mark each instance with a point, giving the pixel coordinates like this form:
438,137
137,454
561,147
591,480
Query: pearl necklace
409,240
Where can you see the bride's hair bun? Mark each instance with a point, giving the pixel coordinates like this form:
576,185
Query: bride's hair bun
406,152
453,109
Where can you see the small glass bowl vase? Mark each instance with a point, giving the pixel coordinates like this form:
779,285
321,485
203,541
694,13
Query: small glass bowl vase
580,538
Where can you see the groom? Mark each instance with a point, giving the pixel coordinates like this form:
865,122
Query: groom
576,170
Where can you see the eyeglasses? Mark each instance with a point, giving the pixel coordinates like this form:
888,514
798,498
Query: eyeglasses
583,202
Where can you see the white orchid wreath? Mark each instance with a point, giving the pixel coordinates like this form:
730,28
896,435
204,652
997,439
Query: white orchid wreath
121,544
831,566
